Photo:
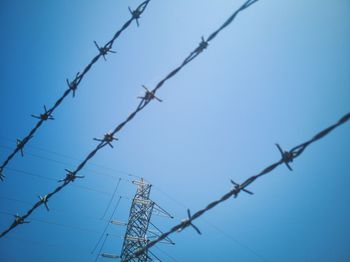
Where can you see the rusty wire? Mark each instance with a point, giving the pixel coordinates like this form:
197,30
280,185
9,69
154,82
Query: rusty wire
286,158
108,138
73,85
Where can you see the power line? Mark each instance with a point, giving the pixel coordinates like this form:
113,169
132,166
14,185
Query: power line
63,163
167,254
56,179
110,201
50,151
52,209
236,241
103,244
39,243
215,227
108,138
286,158
56,224
106,227
73,85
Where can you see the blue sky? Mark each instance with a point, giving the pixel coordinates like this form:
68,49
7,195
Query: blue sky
279,73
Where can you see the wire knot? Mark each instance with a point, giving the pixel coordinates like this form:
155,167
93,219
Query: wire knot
238,188
46,116
136,14
70,177
149,95
108,139
44,201
20,145
287,156
73,85
188,222
20,220
202,45
104,50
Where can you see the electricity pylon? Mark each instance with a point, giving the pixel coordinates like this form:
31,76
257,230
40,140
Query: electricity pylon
138,224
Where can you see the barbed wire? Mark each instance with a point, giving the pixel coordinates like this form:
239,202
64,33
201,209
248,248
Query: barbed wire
72,86
108,138
286,158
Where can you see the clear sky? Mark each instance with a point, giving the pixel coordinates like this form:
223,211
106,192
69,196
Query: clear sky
279,73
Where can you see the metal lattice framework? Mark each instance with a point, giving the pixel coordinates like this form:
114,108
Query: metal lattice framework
137,227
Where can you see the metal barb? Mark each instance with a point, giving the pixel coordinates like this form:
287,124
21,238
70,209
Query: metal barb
70,177
20,146
73,85
44,201
104,50
202,45
149,95
287,156
188,222
19,220
238,188
136,14
108,139
46,116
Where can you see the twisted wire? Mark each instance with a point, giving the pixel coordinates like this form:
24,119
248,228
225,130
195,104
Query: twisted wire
294,153
110,137
72,86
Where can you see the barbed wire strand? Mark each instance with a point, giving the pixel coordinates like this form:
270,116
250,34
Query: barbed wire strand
73,85
110,137
286,158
